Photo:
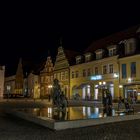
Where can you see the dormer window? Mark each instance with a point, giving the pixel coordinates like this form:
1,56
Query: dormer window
112,50
99,54
88,57
130,46
78,59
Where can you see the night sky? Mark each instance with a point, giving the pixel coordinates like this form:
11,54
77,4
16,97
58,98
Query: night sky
30,31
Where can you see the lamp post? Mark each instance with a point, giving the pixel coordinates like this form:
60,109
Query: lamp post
8,89
102,85
120,87
50,91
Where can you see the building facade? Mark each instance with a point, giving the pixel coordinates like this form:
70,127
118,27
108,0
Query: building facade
2,73
33,86
61,70
46,78
19,79
90,78
103,64
9,85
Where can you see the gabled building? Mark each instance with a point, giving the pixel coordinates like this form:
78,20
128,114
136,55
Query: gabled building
19,79
22,84
14,83
99,67
129,64
64,59
46,78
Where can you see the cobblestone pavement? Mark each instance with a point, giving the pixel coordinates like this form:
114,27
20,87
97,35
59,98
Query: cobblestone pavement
12,128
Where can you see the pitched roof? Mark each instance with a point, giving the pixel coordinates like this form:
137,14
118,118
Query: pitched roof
70,55
113,39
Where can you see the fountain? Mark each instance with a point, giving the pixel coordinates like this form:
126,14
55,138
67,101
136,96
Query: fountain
58,97
61,116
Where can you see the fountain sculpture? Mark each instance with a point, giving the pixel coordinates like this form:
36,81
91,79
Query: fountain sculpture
58,97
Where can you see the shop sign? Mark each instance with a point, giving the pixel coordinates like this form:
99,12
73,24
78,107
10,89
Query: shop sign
97,77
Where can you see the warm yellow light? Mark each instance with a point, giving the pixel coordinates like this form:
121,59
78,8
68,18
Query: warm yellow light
120,86
100,83
49,86
104,83
129,79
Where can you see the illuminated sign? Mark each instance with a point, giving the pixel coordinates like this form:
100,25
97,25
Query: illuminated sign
97,77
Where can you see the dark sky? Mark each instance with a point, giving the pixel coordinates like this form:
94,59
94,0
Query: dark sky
30,30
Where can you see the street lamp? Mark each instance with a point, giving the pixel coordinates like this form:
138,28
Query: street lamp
102,85
8,90
120,87
50,91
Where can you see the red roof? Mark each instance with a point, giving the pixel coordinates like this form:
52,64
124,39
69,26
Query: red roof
113,39
70,55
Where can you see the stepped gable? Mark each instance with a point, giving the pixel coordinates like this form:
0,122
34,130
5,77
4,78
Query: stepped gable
113,39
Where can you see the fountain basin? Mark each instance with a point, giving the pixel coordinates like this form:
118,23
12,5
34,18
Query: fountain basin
72,117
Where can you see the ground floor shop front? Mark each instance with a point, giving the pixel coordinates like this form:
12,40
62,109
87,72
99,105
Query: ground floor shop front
132,90
94,90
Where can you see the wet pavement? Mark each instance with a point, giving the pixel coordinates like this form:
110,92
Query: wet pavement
12,128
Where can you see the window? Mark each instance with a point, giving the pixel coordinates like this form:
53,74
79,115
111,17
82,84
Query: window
133,69
51,78
88,72
112,52
42,79
46,79
66,75
78,59
105,69
87,57
62,76
58,76
99,55
131,47
77,74
84,73
55,76
124,74
111,68
72,74
96,71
